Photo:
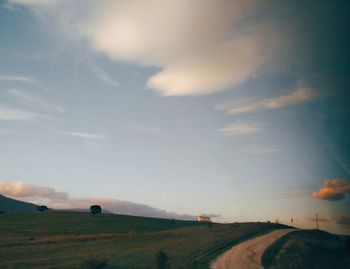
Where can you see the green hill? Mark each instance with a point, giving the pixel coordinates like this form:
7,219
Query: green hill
59,239
308,249
8,205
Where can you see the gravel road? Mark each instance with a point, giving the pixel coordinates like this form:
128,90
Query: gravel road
247,255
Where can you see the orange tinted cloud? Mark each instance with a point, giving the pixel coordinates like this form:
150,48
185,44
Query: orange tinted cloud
22,190
332,190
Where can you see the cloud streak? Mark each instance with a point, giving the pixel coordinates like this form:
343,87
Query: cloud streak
17,78
242,106
61,200
83,135
332,190
13,114
259,149
30,99
33,2
241,127
145,129
102,75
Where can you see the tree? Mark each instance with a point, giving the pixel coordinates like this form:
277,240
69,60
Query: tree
95,209
162,260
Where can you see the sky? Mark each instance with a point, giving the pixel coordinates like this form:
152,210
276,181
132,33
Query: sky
234,109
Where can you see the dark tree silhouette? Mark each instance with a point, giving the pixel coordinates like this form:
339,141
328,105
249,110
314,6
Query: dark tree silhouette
95,209
162,260
41,208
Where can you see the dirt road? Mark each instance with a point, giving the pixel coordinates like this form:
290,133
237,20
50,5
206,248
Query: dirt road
248,254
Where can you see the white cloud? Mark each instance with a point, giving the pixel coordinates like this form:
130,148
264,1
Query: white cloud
17,78
61,200
200,46
210,71
241,127
247,105
28,98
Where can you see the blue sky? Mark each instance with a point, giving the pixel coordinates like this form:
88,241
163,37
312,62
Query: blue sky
237,109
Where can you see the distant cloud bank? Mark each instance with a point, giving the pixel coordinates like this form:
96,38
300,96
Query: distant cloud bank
343,219
61,200
332,190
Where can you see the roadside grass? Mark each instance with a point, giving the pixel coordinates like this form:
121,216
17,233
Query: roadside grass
68,239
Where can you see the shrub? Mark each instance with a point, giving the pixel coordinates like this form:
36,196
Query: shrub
161,260
94,263
41,208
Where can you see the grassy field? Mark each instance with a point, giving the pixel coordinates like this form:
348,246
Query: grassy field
67,239
308,249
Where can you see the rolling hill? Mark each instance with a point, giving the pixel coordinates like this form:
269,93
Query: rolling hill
308,249
8,205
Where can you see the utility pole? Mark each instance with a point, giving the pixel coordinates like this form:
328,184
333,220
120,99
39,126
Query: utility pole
317,222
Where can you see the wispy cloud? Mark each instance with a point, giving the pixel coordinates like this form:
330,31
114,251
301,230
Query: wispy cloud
61,200
104,76
145,129
28,98
6,132
332,190
259,149
16,78
13,114
250,105
32,2
242,127
83,135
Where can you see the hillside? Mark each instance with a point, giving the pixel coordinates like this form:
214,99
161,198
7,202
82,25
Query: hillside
9,205
67,239
308,249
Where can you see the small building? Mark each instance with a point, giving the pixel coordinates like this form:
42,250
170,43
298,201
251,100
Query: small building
203,219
